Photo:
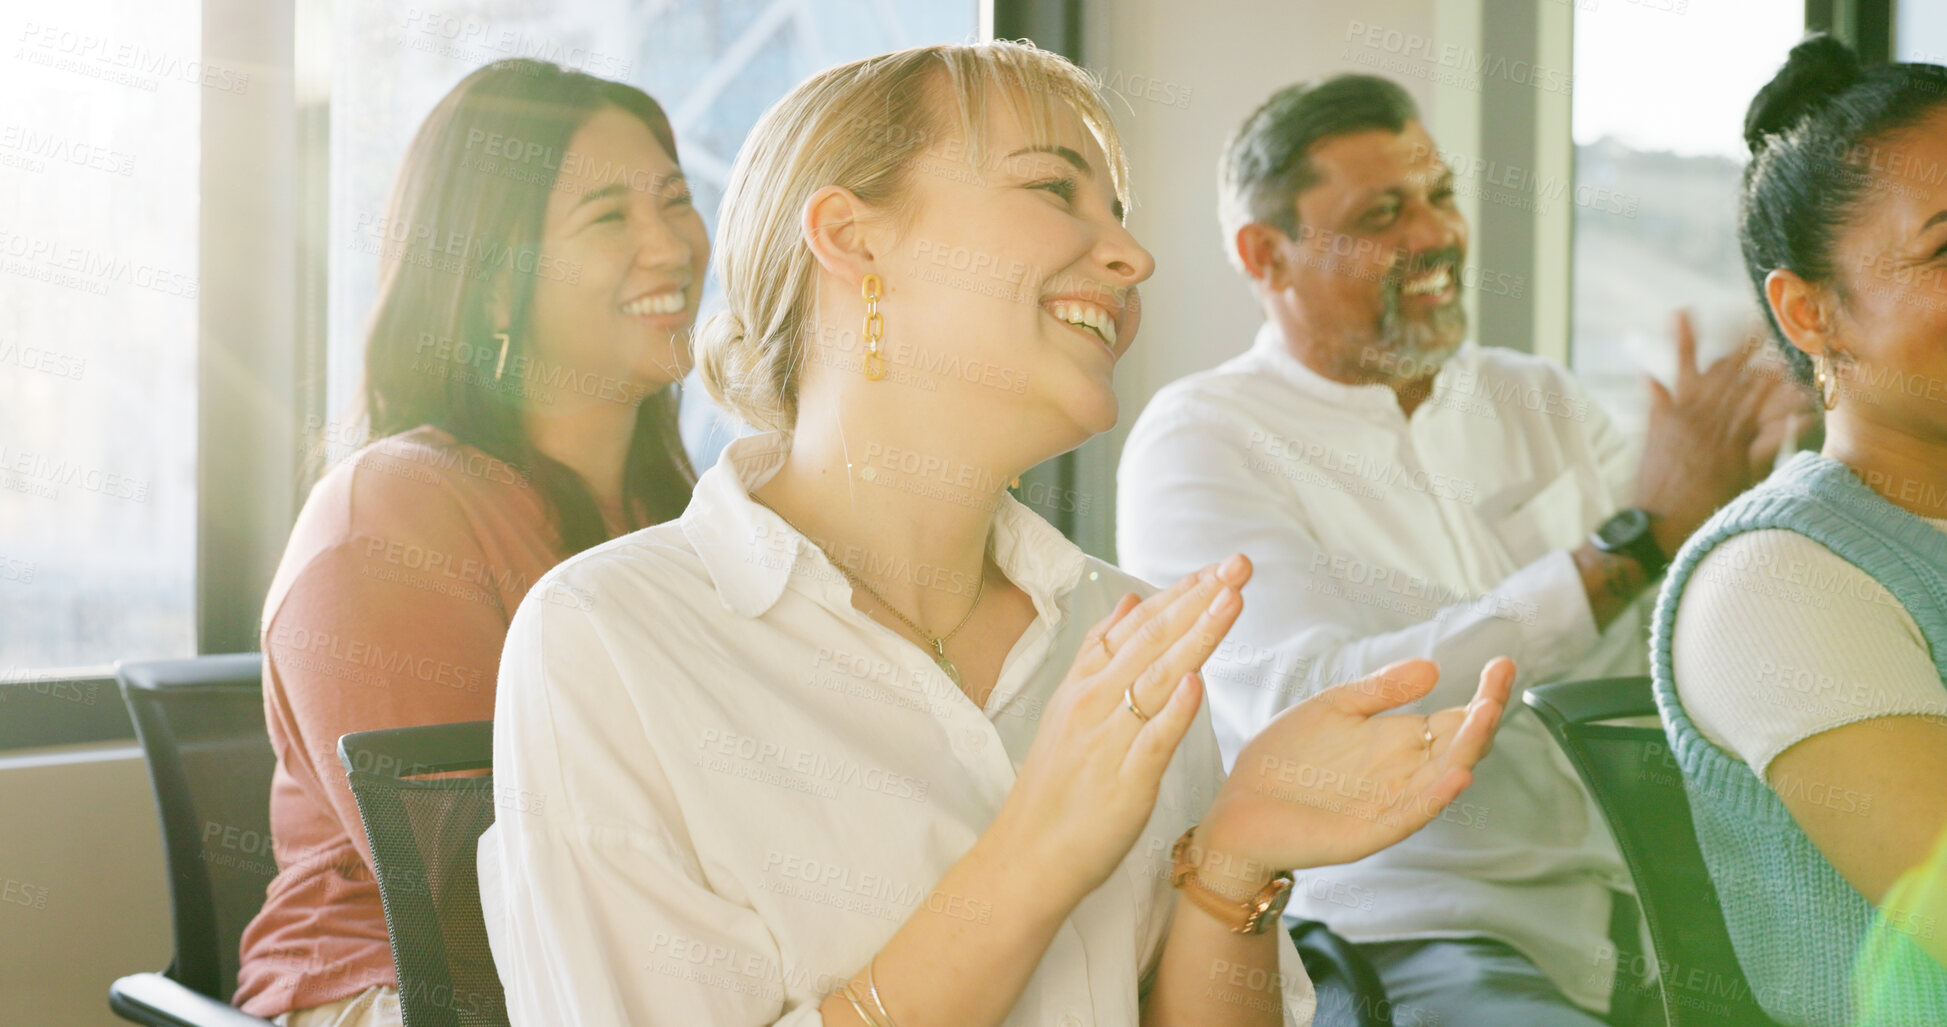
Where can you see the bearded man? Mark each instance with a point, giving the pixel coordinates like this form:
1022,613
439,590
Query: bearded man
1406,493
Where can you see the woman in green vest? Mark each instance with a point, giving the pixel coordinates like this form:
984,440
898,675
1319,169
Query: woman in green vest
1800,644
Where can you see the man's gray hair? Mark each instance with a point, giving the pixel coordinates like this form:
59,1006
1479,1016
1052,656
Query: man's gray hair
1265,165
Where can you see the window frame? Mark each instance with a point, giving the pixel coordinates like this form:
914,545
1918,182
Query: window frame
263,261
259,349
1864,25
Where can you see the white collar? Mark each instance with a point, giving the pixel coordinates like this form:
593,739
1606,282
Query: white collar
730,531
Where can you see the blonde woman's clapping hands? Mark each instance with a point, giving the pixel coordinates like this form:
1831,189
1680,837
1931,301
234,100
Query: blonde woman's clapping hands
1328,781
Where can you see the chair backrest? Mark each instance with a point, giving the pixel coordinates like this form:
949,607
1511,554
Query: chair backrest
423,831
1637,783
201,725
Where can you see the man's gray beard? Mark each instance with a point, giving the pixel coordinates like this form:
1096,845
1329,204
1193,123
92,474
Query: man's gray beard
1418,349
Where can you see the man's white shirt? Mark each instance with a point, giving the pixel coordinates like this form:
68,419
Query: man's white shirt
1379,537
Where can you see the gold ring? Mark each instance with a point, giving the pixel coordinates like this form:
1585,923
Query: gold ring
1103,641
1426,739
1129,700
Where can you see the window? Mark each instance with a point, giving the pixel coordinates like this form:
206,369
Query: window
98,329
715,66
1920,32
1660,94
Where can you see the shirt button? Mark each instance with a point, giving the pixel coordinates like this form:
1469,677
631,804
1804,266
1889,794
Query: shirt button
973,739
1070,1020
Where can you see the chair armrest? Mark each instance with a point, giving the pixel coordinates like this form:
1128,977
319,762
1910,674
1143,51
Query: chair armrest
1588,702
423,749
163,1002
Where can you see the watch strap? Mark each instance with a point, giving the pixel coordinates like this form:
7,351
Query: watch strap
1252,916
1647,553
1642,548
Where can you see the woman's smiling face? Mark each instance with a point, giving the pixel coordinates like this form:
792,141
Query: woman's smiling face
1021,273
1891,262
631,250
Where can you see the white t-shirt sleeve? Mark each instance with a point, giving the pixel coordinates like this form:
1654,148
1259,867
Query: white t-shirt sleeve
596,903
1778,639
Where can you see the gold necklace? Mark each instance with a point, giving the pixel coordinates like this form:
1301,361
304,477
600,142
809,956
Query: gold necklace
937,642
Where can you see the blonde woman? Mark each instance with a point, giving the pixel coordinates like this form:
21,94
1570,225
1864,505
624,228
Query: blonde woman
859,739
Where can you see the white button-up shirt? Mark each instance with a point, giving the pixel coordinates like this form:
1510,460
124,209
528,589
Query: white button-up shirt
723,788
1378,537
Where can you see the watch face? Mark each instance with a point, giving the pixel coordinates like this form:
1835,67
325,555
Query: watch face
1624,528
1274,907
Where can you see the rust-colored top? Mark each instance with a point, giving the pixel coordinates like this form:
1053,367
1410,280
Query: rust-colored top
388,610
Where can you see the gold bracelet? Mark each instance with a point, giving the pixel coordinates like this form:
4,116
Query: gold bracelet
873,986
865,1015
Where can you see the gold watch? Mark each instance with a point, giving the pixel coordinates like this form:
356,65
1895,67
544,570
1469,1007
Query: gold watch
1253,917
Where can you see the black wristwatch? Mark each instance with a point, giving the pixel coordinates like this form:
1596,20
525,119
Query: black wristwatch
1628,534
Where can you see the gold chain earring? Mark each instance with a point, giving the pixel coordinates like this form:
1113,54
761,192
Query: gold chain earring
1829,397
501,364
875,328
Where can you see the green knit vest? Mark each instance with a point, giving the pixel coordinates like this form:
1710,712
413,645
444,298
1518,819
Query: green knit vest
1796,924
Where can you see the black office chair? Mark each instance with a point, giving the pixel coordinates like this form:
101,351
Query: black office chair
201,725
1348,988
1637,783
423,832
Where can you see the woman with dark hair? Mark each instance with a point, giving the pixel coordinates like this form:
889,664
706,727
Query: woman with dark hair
1800,644
541,276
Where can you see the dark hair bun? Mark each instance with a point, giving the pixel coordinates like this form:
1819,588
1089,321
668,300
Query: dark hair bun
1818,69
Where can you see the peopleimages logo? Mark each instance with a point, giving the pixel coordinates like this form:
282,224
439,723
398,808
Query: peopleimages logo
110,59
86,268
1517,182
46,361
61,149
1409,53
477,42
55,471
